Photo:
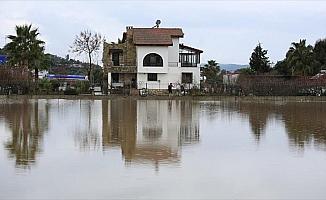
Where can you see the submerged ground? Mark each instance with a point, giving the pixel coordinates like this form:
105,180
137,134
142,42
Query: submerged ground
146,148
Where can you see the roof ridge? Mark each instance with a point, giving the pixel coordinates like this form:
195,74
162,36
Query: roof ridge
156,28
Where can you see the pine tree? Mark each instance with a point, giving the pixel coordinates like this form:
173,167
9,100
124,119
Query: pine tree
259,62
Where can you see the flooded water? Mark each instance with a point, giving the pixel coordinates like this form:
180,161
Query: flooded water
161,149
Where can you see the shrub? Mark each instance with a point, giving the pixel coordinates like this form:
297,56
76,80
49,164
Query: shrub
55,85
45,85
71,91
82,87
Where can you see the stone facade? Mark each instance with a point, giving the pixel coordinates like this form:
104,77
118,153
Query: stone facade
127,57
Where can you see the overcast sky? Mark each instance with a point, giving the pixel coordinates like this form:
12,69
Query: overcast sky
227,31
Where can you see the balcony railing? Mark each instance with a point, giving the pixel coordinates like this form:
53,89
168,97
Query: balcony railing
185,64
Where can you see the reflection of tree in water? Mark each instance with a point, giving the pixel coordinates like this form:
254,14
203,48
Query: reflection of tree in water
305,123
27,130
258,114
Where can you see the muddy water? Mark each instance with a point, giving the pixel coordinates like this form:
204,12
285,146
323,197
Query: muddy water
124,148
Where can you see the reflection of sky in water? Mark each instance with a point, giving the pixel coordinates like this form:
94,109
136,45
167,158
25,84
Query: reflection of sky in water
169,149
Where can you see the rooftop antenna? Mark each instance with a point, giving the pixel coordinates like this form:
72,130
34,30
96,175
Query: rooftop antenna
158,22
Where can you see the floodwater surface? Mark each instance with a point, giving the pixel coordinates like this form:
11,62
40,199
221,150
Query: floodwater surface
162,149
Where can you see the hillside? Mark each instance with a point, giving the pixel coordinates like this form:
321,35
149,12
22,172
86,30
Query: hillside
232,67
58,65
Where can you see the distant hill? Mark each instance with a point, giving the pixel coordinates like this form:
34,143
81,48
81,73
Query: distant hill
232,67
59,65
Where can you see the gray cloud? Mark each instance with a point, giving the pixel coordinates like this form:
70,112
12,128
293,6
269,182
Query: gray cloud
227,31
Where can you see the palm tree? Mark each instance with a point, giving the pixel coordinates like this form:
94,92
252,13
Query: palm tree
211,71
25,49
300,58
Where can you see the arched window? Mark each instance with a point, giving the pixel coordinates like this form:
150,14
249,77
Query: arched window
153,59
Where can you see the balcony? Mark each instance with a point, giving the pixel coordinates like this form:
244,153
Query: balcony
189,59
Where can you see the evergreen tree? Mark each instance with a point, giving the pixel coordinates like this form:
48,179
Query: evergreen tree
259,62
320,53
282,68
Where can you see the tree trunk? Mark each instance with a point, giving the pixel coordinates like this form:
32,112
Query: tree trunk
90,70
36,79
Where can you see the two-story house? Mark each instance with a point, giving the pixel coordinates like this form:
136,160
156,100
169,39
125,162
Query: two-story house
151,58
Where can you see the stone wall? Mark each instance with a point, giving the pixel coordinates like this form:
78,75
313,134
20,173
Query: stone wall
127,58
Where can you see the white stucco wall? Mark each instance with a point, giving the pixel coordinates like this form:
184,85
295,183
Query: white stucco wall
142,51
173,76
173,51
171,72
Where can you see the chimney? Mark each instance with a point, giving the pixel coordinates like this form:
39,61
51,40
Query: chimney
128,28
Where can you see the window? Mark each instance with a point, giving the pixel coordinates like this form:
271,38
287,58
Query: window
153,60
186,78
115,78
115,59
151,77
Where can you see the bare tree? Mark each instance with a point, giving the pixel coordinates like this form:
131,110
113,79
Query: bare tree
88,43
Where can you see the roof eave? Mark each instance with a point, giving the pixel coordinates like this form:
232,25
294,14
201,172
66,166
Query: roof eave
191,48
171,44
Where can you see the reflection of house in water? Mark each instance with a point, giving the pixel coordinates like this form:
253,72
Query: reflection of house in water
119,125
27,123
150,130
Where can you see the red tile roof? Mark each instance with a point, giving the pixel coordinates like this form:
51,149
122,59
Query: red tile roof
155,36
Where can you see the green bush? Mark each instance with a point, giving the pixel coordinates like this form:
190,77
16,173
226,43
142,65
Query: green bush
55,85
45,85
71,91
82,87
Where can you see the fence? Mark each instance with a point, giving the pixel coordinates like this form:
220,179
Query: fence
14,80
282,85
